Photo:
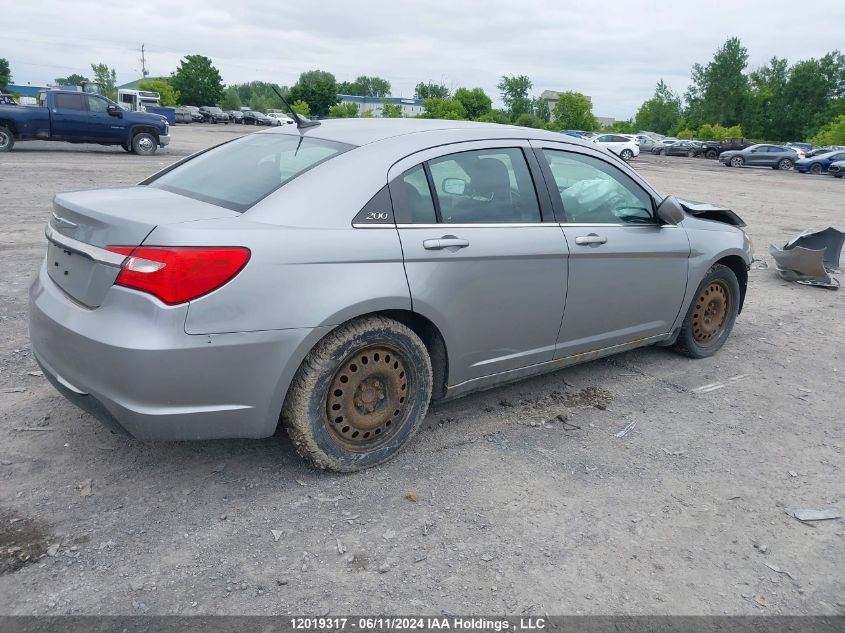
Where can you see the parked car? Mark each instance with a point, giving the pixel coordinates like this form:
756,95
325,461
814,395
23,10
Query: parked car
645,143
236,116
78,117
682,148
819,164
713,149
837,169
623,146
255,283
282,118
251,117
660,146
213,114
7,100
774,156
196,115
800,148
575,133
818,151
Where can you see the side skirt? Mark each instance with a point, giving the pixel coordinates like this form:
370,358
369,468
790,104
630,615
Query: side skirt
495,380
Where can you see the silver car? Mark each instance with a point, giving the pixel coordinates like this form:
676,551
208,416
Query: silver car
337,278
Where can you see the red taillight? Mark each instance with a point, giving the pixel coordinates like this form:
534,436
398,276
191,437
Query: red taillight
176,274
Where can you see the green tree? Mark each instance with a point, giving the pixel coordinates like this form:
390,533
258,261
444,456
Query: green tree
301,107
318,89
496,116
764,117
198,81
169,96
71,80
529,119
476,103
720,90
541,109
344,111
5,74
661,112
365,86
107,78
686,133
831,134
429,90
514,90
263,91
231,99
439,108
623,127
811,94
574,111
391,111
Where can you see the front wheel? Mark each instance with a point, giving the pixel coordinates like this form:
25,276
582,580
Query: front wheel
711,154
359,396
816,169
712,314
737,161
691,153
7,139
663,152
626,155
144,144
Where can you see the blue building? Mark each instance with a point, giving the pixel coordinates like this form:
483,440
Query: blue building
24,91
409,107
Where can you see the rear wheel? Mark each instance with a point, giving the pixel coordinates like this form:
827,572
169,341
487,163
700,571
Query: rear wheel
7,139
712,314
144,144
626,154
691,153
737,161
359,396
816,169
711,154
663,152
785,164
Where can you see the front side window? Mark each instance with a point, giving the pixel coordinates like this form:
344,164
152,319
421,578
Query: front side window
70,101
488,186
95,104
593,191
238,174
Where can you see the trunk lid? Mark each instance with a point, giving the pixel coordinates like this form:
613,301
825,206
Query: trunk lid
85,223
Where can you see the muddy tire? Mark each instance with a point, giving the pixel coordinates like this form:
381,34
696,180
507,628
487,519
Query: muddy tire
7,139
359,396
711,315
144,144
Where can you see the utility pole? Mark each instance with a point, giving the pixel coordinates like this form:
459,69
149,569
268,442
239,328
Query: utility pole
143,60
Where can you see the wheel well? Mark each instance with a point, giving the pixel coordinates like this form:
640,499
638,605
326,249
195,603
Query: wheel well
10,125
735,263
434,343
143,128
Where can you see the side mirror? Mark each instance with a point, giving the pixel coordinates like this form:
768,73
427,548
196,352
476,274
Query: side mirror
454,186
670,211
114,110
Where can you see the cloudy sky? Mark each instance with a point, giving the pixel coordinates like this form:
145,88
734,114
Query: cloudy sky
613,50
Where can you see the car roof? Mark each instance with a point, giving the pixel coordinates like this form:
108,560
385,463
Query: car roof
372,130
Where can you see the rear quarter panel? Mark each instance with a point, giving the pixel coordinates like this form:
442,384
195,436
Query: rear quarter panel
26,122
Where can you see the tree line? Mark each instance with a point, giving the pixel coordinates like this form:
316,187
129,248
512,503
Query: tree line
778,101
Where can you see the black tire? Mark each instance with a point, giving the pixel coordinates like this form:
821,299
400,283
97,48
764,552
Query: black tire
711,154
381,409
144,144
691,153
699,336
816,169
7,139
737,161
626,155
663,152
785,164
126,148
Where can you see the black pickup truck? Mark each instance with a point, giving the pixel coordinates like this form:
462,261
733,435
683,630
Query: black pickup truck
712,149
78,117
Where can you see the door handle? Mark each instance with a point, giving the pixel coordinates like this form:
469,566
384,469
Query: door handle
592,238
445,242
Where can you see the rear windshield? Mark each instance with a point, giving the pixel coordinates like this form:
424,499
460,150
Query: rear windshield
238,174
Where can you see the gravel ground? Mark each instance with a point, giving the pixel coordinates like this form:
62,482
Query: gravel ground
497,506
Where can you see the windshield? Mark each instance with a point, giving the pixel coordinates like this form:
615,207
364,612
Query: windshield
238,174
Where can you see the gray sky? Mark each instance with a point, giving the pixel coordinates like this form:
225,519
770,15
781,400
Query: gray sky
613,50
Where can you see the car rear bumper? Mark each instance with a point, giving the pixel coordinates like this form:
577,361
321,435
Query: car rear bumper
131,365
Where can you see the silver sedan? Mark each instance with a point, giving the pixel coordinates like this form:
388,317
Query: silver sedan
336,278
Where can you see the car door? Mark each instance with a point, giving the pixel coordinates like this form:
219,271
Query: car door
760,156
484,258
102,127
69,117
627,271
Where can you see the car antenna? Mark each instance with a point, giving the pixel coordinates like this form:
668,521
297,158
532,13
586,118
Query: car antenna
301,121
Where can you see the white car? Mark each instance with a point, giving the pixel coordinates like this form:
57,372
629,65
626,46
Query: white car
801,153
625,147
283,119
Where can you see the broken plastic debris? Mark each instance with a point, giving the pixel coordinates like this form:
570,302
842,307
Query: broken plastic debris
809,257
808,514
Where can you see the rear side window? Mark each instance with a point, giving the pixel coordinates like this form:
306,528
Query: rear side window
411,195
238,174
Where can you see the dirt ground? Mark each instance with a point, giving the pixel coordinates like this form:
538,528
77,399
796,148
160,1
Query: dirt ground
498,506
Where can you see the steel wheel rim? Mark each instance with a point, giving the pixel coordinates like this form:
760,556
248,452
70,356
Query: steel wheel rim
145,144
4,139
710,313
367,399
